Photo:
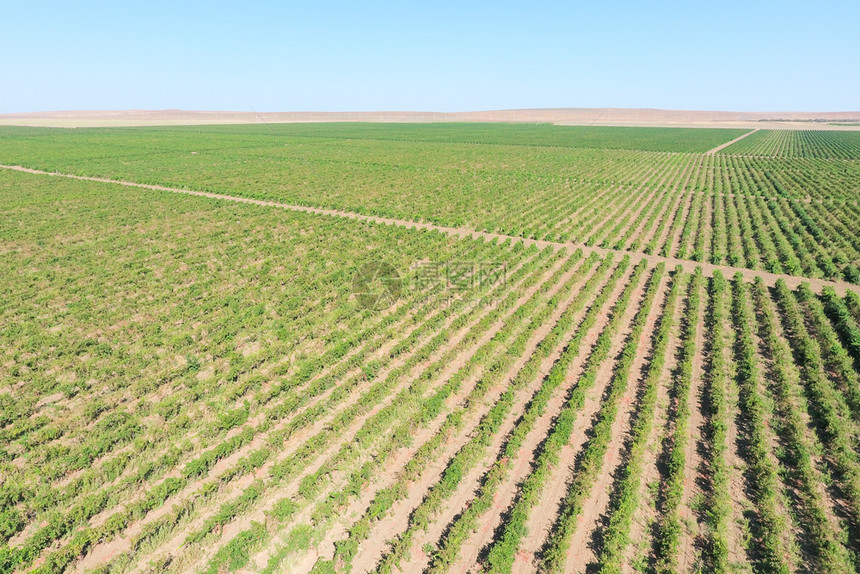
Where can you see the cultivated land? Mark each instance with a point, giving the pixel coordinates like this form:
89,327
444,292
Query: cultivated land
614,350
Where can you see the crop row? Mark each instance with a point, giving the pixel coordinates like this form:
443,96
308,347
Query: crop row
785,216
285,468
799,143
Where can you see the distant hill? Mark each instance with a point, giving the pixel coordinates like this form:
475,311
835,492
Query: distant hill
563,116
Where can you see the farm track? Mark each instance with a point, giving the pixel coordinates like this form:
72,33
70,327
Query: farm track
770,279
727,144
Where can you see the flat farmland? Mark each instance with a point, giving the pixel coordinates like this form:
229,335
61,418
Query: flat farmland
429,348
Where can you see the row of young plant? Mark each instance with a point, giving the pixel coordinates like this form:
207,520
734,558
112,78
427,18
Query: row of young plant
835,214
823,231
798,143
485,369
589,464
47,498
670,220
852,303
642,207
625,500
194,469
796,455
828,410
652,226
306,481
771,229
720,240
55,462
466,523
472,451
283,469
590,225
669,527
767,545
211,487
801,238
385,498
622,218
693,223
134,468
718,501
844,323
679,219
572,214
501,553
644,210
837,360
583,226
104,407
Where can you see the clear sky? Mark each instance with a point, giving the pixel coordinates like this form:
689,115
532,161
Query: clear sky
436,56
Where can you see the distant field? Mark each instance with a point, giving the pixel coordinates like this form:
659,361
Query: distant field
595,137
785,215
540,135
799,143
192,384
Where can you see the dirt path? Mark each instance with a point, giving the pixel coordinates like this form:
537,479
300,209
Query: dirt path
708,269
727,144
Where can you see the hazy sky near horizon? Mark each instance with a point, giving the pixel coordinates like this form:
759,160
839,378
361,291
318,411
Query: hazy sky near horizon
440,56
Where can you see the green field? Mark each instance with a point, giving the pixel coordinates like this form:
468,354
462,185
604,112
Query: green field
800,143
782,215
195,384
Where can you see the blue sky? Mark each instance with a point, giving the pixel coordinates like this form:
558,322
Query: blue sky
439,56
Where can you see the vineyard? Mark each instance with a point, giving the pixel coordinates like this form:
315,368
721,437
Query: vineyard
799,143
574,374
